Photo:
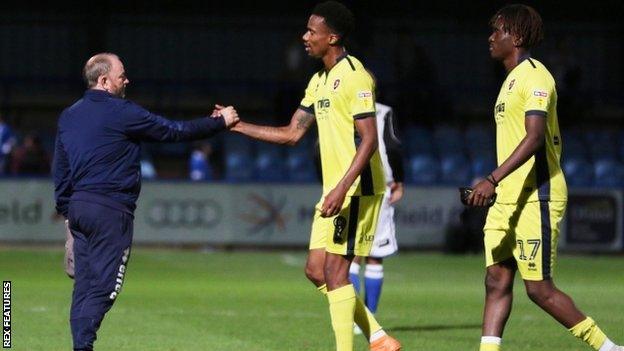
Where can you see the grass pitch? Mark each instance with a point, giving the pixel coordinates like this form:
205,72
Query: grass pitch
181,300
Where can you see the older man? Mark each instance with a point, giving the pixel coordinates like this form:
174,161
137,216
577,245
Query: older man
97,182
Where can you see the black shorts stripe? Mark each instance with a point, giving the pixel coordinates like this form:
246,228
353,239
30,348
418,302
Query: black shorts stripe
366,181
366,177
354,211
546,238
542,174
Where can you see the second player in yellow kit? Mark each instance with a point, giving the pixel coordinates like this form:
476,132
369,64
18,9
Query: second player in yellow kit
524,222
522,227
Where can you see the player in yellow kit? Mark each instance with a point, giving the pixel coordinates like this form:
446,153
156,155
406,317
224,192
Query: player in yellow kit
340,99
522,227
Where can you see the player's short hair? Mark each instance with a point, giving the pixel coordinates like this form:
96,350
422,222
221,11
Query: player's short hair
95,67
522,21
338,18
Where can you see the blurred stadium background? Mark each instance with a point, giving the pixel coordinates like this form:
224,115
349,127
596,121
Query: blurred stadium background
432,65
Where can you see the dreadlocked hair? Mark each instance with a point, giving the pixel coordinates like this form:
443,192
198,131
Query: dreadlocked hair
522,21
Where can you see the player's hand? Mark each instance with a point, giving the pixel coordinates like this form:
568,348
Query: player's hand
229,115
333,202
481,194
396,192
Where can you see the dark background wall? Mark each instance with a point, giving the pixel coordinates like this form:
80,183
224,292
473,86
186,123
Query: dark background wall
430,58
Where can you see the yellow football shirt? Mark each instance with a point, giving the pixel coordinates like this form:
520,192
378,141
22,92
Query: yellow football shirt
337,98
529,90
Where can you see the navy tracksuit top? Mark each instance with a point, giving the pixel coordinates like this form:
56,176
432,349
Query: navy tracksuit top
97,152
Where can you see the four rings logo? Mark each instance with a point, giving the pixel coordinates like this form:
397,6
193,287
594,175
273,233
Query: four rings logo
187,213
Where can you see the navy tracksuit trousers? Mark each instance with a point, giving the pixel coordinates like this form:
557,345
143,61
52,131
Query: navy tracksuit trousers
102,241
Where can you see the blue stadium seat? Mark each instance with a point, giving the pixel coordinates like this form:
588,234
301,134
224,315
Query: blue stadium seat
417,140
199,166
448,140
602,144
424,170
574,146
269,163
483,165
456,170
238,143
238,166
300,167
578,171
479,141
609,173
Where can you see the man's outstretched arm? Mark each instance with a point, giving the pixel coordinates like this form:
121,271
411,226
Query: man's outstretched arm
300,122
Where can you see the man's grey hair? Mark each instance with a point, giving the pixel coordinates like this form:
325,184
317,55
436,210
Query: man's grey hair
96,66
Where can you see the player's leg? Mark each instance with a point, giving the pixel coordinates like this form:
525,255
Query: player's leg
341,296
373,282
314,267
498,301
539,261
500,272
108,246
360,215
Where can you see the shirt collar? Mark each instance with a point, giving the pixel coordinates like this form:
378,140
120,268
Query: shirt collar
98,94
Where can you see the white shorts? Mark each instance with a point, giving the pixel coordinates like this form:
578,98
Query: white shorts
385,243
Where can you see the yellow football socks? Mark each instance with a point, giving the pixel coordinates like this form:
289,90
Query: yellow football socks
589,332
362,317
489,347
342,309
365,319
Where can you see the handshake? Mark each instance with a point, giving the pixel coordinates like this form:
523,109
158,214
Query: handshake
228,113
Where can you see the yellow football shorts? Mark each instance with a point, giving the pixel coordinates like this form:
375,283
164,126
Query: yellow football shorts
527,232
351,231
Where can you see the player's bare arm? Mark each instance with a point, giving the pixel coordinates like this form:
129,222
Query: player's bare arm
300,122
367,129
535,127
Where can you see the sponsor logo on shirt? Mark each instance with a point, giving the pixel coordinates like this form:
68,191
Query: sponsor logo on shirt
364,94
540,93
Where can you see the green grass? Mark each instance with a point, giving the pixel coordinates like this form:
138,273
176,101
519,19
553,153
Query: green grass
180,300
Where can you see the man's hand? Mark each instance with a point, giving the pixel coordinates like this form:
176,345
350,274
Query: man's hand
396,192
481,193
229,114
69,251
333,202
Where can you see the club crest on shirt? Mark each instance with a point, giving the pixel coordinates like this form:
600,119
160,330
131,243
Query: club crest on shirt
336,84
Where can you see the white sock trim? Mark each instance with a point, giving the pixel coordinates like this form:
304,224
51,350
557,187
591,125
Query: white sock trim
374,271
494,340
376,335
607,345
354,268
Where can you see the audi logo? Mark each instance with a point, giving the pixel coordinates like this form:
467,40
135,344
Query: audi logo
184,213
